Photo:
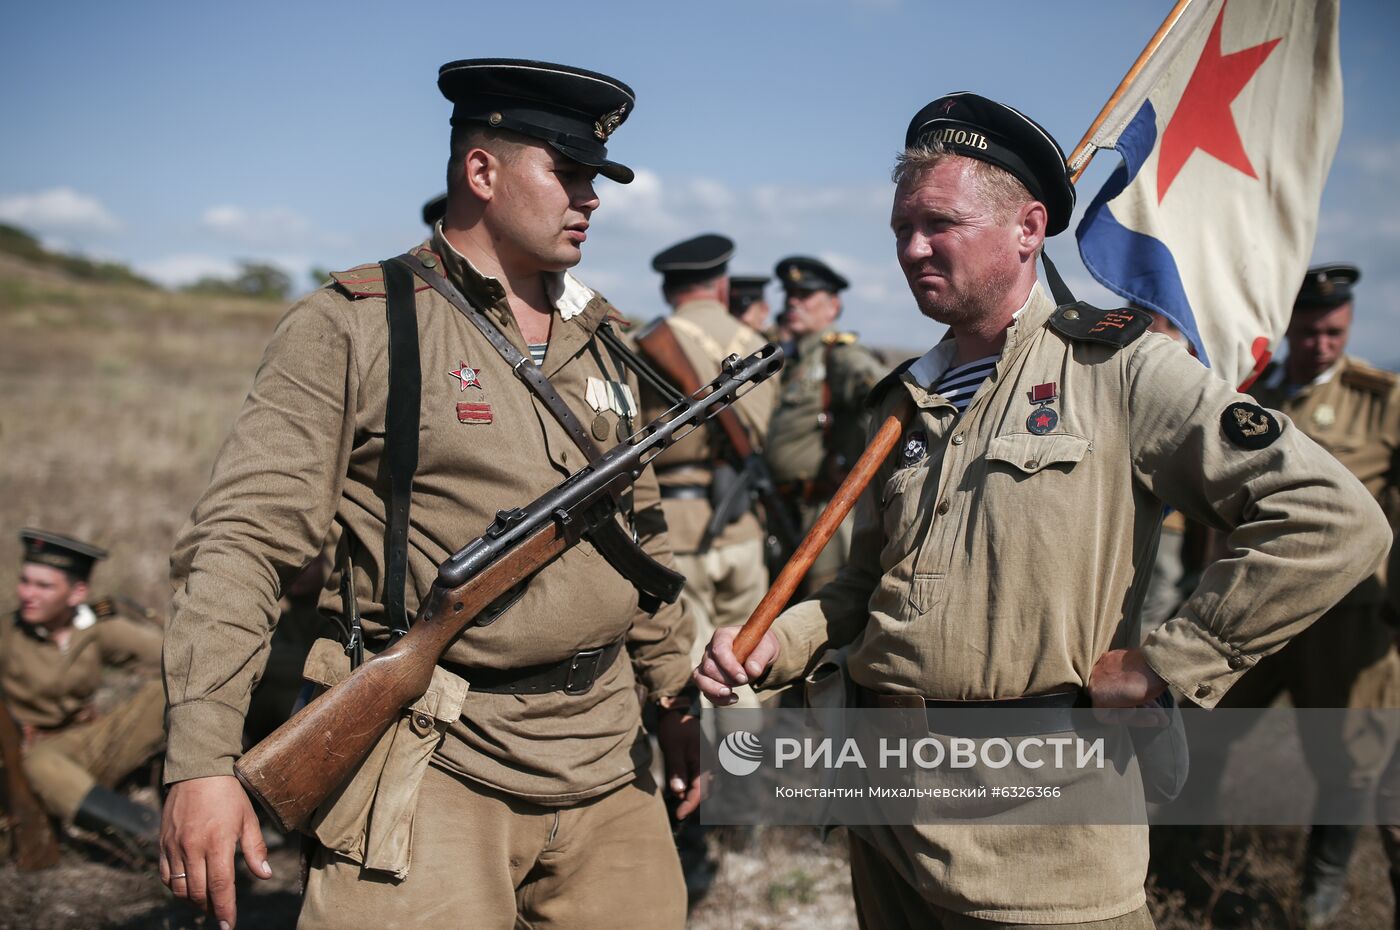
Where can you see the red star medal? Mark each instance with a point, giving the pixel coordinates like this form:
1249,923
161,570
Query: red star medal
467,377
1042,421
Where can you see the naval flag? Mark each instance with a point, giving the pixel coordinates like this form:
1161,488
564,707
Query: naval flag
1226,138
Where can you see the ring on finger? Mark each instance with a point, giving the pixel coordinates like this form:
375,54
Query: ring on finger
178,875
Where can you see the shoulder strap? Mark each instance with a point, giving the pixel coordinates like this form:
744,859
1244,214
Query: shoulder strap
526,370
1058,289
400,435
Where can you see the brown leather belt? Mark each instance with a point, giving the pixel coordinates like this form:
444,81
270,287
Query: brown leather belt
1034,713
574,675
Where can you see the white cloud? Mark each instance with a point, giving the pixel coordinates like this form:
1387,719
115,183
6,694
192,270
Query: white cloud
60,210
266,227
179,270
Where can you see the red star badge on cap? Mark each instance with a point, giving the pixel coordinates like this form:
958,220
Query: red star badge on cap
467,377
1203,119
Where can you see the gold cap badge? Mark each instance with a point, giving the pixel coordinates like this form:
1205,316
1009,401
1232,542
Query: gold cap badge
607,123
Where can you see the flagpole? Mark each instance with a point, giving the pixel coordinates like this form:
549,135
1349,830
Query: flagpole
1083,153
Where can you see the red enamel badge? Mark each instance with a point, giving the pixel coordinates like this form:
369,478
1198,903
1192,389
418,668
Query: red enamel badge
474,413
467,377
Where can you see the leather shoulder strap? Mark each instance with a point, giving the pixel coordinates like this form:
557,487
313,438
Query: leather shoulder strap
526,370
400,435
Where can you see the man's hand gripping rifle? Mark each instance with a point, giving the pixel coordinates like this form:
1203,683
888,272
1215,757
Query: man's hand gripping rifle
296,768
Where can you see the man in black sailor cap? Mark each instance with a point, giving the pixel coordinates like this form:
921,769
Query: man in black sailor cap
517,792
1000,553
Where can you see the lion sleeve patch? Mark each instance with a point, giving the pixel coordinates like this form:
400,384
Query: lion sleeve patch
1249,426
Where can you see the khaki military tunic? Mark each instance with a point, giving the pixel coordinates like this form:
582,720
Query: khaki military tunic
307,450
708,334
990,562
50,690
819,430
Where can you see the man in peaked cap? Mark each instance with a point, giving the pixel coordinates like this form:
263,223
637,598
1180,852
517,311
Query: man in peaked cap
518,791
819,428
52,653
1041,441
1348,658
720,554
748,302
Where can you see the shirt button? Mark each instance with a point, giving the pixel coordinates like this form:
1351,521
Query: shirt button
1203,691
1236,661
1033,463
943,507
958,439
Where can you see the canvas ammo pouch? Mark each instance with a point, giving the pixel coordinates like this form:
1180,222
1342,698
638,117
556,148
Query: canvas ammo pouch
369,819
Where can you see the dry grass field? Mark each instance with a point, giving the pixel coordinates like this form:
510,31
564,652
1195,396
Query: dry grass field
115,400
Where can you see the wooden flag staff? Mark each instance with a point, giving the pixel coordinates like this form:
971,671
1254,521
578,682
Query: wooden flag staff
890,431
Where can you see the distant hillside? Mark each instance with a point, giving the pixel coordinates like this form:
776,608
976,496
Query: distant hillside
21,244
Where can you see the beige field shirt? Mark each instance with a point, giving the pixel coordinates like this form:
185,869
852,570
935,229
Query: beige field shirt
708,334
991,562
305,456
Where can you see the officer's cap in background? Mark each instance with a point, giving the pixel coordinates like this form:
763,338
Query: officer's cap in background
1000,135
70,555
573,110
801,273
745,290
435,210
698,259
1326,286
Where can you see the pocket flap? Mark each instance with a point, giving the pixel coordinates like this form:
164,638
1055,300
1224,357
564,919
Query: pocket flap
1030,453
326,664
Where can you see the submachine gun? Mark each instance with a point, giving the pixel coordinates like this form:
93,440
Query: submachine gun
299,765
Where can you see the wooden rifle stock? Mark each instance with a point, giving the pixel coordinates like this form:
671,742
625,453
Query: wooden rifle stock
298,766
36,847
796,569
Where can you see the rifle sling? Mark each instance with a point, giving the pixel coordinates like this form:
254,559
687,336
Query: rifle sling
654,582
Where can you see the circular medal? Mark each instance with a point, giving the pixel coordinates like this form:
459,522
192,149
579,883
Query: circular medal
602,429
1324,416
1042,420
624,429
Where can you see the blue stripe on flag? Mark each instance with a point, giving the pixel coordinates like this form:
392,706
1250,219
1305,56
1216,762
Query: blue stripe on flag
1133,265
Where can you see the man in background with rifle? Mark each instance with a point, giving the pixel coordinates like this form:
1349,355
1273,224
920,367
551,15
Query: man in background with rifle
405,405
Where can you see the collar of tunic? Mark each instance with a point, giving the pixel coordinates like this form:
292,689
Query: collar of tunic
569,295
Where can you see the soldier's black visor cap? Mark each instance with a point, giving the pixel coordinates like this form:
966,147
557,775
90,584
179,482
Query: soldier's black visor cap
573,110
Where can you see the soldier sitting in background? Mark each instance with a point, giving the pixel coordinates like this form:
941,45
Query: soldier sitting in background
818,430
52,653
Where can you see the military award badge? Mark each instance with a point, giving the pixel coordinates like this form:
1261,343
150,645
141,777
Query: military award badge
1043,418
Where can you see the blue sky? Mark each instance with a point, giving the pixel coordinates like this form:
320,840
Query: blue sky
181,137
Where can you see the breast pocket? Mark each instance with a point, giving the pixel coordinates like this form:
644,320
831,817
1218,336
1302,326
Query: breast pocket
1027,454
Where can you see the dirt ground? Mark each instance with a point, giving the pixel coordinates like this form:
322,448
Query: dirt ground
116,400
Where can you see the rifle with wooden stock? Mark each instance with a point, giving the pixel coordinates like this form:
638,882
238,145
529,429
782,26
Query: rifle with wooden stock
658,342
295,769
36,847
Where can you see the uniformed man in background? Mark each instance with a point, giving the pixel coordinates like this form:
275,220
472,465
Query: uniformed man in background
1348,658
518,792
818,430
723,565
52,654
747,301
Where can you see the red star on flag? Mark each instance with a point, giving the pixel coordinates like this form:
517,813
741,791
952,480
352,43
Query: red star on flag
467,376
1203,119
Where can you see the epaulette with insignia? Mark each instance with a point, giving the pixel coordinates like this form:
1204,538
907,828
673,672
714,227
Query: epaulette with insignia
838,339
1083,323
888,382
1375,380
368,280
